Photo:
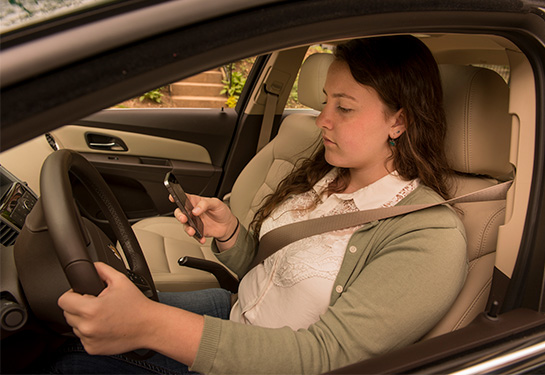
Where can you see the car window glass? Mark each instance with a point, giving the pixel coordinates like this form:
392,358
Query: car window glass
215,88
19,13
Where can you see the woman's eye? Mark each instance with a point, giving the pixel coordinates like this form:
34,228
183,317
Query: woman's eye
343,109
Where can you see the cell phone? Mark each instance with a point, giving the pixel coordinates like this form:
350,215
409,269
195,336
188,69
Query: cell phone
183,202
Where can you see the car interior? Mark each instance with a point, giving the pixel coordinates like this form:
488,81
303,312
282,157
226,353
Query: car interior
490,139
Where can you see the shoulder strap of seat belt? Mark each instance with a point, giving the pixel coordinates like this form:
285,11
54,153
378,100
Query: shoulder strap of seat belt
284,235
268,116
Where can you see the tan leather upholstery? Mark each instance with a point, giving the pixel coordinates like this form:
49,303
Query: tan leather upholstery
312,79
479,126
163,242
477,138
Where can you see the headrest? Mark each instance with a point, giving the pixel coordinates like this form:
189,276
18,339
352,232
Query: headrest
312,79
478,136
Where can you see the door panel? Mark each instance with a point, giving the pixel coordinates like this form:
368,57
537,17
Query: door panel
80,138
134,149
209,128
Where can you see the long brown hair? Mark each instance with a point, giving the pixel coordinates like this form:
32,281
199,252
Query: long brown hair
405,75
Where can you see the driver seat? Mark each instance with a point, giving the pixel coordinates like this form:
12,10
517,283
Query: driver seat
478,136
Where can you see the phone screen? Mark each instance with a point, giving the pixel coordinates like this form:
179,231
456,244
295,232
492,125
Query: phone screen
183,202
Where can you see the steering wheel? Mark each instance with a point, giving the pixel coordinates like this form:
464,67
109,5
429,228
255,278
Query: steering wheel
70,237
56,242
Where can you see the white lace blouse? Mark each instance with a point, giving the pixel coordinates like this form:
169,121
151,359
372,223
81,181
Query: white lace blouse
293,286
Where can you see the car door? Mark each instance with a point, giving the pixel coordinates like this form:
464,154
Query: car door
134,148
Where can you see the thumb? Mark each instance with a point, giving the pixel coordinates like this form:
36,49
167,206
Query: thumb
116,281
107,273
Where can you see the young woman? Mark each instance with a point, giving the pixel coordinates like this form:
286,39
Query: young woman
329,300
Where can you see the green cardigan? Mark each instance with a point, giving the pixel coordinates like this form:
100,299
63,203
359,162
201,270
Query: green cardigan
398,278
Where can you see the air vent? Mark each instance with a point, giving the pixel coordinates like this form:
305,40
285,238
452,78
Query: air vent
51,141
8,235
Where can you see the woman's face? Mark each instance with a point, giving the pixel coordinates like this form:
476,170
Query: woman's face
356,124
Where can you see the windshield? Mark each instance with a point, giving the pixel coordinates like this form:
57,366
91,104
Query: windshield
15,14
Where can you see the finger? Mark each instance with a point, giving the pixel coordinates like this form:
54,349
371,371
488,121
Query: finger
71,319
170,198
202,206
194,199
70,301
76,307
107,273
178,214
190,231
79,335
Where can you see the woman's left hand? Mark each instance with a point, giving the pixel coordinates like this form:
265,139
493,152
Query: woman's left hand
113,322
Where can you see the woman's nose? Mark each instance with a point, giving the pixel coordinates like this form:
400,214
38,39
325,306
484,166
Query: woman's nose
322,121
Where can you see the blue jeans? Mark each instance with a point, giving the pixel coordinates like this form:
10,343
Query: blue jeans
73,359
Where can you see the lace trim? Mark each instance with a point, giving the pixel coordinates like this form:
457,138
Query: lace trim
402,194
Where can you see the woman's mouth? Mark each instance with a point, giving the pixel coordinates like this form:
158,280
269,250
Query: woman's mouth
327,141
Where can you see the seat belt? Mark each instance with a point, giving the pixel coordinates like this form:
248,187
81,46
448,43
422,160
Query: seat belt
273,92
279,237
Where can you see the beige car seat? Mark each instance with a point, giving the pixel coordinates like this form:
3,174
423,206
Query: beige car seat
477,146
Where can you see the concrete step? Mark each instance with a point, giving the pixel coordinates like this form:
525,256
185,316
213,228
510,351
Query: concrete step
199,101
210,76
196,89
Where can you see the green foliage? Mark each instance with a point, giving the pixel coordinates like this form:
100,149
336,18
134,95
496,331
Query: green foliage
153,95
318,48
233,85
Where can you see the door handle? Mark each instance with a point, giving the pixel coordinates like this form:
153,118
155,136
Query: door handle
105,142
102,145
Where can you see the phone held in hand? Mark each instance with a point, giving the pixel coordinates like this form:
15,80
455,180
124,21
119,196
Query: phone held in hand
181,199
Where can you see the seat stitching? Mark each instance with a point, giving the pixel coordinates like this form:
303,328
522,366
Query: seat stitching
467,121
486,230
166,255
472,305
489,224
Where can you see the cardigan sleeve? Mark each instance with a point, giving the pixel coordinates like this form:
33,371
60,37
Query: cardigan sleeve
404,275
240,256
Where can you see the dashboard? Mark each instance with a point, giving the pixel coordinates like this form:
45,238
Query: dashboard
16,202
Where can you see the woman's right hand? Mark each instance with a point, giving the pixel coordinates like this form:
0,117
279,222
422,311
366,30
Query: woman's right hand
218,220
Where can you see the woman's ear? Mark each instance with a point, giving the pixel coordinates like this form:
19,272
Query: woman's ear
400,124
